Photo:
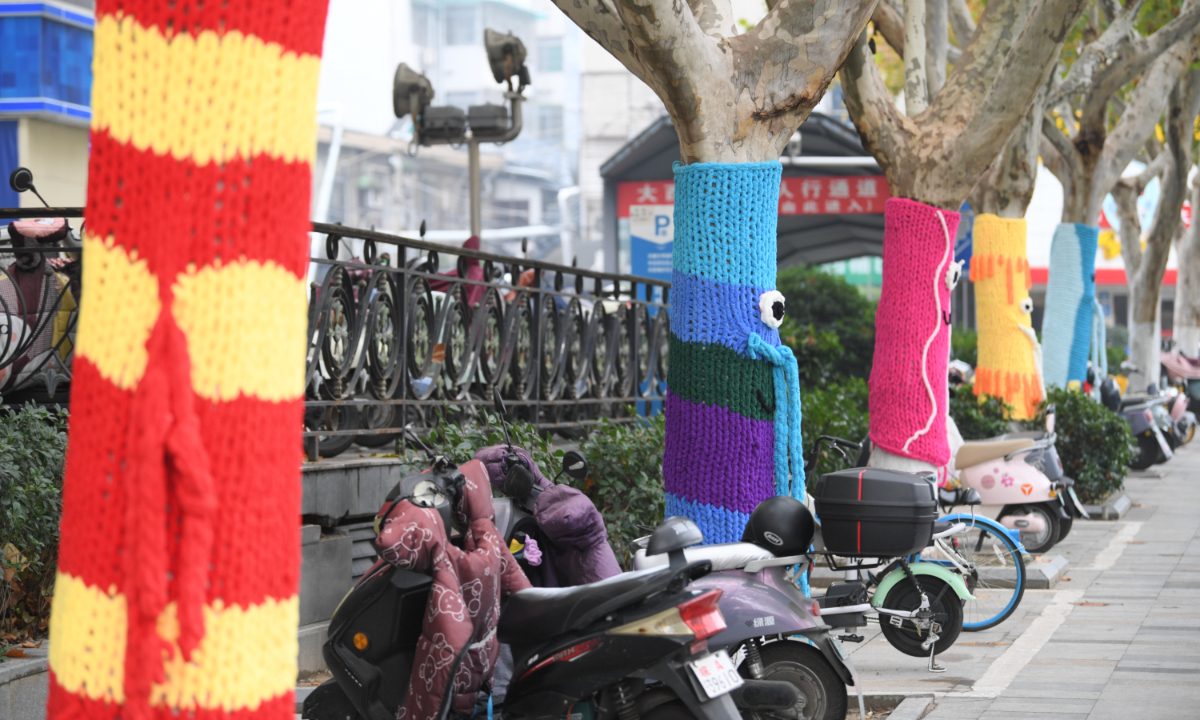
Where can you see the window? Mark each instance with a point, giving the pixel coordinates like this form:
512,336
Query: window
460,27
510,213
550,122
550,58
422,25
44,58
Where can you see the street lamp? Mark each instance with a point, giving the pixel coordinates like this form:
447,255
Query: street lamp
412,94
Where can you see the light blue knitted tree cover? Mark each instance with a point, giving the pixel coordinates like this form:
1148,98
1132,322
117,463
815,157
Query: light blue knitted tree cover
1070,293
733,406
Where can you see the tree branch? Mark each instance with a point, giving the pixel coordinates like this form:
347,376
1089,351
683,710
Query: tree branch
599,21
1145,106
1022,70
961,22
977,69
883,129
1097,54
937,39
890,25
916,90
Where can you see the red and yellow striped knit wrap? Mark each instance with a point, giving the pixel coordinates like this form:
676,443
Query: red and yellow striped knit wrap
179,560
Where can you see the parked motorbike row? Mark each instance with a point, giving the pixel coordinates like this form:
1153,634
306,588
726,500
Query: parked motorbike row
714,632
1162,420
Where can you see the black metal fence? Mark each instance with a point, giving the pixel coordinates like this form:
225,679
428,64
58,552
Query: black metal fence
405,333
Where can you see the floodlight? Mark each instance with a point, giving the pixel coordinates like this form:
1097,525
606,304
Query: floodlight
506,56
411,92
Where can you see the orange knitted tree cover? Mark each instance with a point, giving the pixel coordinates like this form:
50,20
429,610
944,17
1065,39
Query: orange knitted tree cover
179,558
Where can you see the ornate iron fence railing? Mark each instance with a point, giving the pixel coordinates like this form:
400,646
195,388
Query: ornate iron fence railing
409,336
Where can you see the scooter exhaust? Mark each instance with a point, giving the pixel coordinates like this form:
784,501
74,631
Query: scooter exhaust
1026,523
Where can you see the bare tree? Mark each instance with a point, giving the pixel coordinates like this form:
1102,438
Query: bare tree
1144,268
1187,288
732,97
1090,157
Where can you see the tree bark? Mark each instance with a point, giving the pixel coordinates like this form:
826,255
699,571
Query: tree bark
916,89
1187,288
938,157
732,97
1007,188
937,40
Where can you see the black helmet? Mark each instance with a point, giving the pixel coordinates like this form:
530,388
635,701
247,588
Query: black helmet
1110,394
782,525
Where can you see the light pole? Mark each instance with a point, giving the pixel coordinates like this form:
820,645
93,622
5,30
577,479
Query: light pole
412,94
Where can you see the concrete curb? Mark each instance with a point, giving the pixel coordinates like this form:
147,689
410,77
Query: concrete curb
1045,575
24,687
912,707
1111,509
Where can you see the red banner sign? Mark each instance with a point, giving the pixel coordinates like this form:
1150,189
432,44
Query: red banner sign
836,195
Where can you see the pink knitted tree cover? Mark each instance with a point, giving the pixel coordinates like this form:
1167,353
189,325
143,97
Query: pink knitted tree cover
912,332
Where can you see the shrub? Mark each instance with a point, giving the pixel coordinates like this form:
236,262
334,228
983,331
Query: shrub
33,442
965,344
625,466
837,409
830,326
976,420
1094,443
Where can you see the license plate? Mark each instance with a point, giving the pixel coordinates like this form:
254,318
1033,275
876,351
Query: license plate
716,674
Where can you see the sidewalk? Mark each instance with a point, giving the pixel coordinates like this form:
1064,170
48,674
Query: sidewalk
1119,639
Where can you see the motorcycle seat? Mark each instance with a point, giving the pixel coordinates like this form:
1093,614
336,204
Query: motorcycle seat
726,556
977,452
542,613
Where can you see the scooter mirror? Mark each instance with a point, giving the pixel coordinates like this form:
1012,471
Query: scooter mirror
574,465
498,404
20,180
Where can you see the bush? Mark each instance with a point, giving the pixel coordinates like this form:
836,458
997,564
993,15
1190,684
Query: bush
830,325
837,409
33,442
625,479
976,420
965,344
625,467
1094,443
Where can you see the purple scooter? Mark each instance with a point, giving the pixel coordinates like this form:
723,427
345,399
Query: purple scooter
773,629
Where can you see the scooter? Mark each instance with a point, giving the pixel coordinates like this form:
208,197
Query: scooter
1138,411
632,646
1022,472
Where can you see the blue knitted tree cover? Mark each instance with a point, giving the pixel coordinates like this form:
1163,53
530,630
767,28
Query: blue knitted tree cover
1067,323
733,408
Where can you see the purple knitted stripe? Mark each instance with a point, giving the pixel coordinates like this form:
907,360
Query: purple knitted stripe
718,457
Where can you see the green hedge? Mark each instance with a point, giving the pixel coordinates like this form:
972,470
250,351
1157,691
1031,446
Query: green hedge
33,443
1094,443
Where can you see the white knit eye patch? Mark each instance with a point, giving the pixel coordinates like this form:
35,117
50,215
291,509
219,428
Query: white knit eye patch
1027,306
771,305
953,275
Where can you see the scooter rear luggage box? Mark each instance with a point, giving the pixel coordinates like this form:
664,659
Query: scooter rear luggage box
869,512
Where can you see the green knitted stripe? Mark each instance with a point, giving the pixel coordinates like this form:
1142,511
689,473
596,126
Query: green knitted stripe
717,375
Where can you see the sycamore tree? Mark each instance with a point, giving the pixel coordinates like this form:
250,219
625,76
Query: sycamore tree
735,98
1187,289
1104,110
1145,266
934,151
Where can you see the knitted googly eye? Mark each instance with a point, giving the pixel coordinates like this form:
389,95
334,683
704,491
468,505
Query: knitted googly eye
953,274
1027,306
771,304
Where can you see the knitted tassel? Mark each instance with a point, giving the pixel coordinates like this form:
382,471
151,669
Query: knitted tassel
1004,346
1067,321
788,443
178,567
728,446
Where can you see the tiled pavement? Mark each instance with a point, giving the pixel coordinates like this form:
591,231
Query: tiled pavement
1128,646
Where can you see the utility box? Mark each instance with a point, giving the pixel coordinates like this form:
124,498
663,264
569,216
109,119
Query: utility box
488,119
443,123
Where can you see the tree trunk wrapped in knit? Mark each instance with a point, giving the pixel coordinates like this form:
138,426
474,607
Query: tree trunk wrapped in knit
1067,322
1010,359
909,395
178,572
733,409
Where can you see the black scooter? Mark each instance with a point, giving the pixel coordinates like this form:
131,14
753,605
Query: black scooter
629,647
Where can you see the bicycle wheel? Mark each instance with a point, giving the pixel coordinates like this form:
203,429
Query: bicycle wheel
996,575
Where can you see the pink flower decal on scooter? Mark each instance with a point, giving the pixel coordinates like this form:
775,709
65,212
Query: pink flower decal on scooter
1007,480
